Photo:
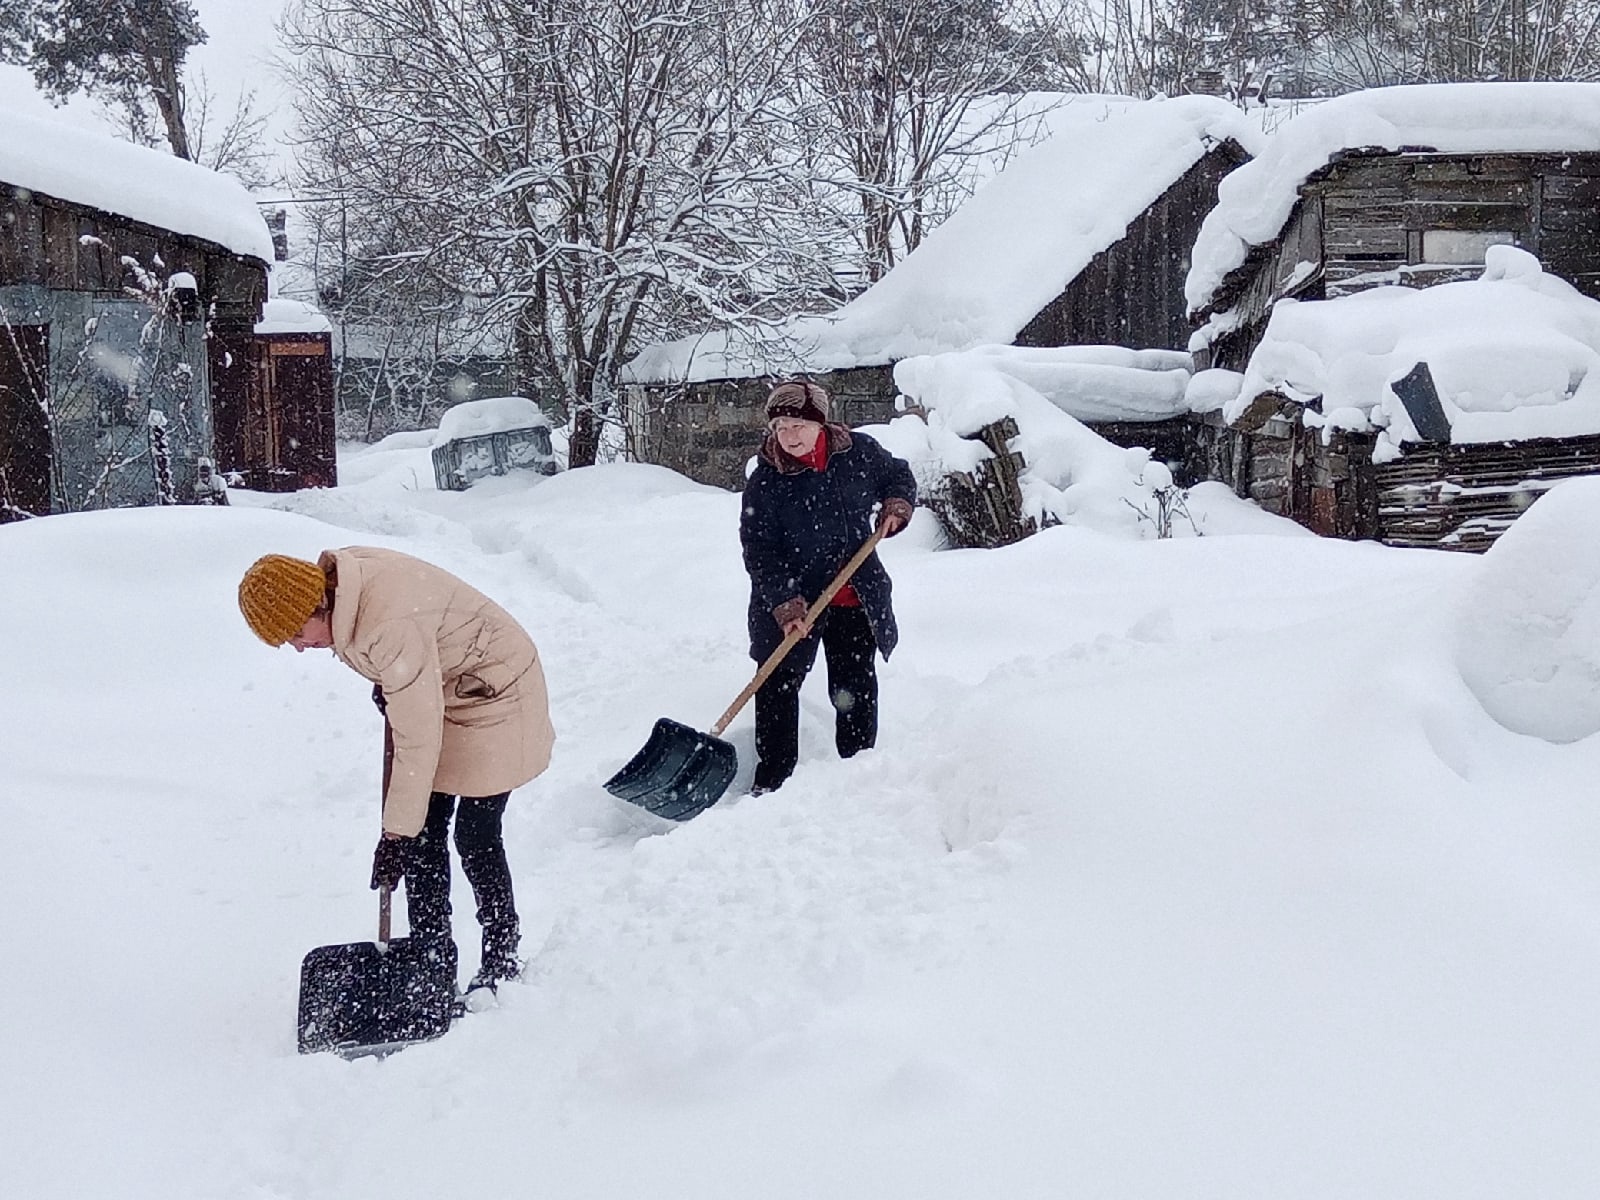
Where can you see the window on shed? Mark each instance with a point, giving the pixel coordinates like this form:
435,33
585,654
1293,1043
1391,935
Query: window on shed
1460,246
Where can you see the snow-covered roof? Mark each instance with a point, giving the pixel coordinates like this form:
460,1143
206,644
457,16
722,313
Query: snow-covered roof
281,314
1256,200
984,273
89,168
1513,355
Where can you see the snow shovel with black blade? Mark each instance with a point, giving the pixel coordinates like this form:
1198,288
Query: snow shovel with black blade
377,997
681,772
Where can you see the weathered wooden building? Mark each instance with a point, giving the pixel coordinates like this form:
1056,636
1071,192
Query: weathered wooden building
130,285
1083,240
275,422
1469,167
1413,217
1438,494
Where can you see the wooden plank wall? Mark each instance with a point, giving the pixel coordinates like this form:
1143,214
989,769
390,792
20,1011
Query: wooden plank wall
68,247
982,509
1131,294
1462,497
1362,220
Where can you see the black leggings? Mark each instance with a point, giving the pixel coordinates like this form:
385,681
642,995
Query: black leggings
849,647
483,862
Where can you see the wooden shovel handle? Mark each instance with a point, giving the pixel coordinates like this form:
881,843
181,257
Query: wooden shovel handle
388,770
794,636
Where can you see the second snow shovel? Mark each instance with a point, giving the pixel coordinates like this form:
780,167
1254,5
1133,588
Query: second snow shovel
681,771
376,997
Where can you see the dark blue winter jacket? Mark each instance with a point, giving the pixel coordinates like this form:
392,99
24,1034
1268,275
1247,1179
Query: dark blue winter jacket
799,526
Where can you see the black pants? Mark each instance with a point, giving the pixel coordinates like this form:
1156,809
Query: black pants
848,646
483,862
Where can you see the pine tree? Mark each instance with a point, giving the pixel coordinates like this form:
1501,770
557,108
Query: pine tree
128,53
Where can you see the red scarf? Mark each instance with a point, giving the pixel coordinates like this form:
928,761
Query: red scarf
817,459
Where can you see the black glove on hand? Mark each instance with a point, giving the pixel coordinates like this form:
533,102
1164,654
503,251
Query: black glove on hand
389,861
377,698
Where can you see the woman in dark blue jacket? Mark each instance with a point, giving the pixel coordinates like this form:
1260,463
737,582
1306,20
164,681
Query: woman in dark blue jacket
815,495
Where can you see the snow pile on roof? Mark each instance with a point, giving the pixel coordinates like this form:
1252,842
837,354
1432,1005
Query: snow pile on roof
1525,635
983,274
1255,201
1072,474
496,414
1514,354
1212,389
1091,383
142,184
281,314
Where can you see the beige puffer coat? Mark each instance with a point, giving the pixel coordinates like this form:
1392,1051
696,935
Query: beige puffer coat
466,695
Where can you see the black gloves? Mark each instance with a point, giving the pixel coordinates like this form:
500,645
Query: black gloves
389,861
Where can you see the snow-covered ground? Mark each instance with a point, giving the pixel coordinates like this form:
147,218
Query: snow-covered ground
1184,868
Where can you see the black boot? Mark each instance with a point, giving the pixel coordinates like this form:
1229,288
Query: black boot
497,914
483,862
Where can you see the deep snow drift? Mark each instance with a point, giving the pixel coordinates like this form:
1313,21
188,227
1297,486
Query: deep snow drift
1183,869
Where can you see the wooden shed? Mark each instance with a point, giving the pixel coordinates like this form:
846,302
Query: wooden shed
1413,217
126,277
1469,167
275,420
1083,240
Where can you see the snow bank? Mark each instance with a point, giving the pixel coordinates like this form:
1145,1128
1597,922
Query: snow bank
1528,633
1255,201
994,264
1514,354
132,181
495,414
1073,475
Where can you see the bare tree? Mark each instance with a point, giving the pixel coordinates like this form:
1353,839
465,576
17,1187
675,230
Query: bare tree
591,175
232,140
1365,43
1324,47
907,90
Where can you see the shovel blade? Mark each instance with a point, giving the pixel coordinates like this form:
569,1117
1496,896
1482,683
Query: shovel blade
371,998
679,773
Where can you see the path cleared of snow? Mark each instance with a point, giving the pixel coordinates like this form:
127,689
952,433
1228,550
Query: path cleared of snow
1182,869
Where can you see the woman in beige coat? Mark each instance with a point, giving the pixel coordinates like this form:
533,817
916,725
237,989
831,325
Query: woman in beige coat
460,684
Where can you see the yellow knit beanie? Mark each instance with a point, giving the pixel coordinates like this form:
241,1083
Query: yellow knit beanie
278,594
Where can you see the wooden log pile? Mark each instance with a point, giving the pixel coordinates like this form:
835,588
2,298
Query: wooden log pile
1464,496
982,509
